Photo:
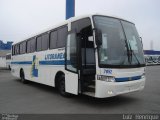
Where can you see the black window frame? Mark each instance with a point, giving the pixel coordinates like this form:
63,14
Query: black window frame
23,44
54,41
24,47
17,49
40,48
28,47
13,51
8,57
37,48
77,22
42,40
61,43
33,41
21,48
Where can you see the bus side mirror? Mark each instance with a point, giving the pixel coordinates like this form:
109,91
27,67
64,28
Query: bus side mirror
141,40
98,37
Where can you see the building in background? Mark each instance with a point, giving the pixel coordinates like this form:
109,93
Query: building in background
152,57
5,48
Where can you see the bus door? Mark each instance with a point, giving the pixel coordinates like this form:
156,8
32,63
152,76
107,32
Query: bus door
87,63
80,57
71,64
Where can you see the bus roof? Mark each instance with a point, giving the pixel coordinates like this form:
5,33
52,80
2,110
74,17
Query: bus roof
72,19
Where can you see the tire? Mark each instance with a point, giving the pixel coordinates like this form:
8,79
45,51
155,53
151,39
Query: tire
23,80
61,87
9,68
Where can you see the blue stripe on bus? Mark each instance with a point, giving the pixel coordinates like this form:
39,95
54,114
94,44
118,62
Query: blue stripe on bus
127,79
23,63
55,62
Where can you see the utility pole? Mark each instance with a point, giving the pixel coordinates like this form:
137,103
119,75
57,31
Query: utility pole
70,8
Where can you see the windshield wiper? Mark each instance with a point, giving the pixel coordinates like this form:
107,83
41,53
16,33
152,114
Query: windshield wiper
129,54
132,53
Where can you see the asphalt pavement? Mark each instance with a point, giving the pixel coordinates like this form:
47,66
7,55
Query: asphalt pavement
34,98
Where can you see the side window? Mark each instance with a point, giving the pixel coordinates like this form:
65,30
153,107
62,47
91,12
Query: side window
8,57
28,46
71,52
13,50
62,36
24,47
53,40
81,24
21,48
39,43
84,30
32,45
45,41
17,49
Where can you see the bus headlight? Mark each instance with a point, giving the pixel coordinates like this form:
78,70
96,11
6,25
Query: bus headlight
106,78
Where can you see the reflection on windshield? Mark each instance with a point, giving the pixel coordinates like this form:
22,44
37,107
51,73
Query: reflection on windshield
113,50
134,42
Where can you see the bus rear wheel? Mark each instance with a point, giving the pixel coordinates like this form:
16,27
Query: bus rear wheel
22,76
61,87
9,67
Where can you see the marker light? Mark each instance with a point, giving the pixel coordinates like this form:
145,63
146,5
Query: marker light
110,92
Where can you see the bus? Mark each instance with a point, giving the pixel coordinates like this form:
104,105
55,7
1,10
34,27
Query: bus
95,55
8,61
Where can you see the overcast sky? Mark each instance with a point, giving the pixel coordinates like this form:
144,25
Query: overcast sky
22,18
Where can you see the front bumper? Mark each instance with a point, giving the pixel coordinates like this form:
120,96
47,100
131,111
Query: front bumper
109,89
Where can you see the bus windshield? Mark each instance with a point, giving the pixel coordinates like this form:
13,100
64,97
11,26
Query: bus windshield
121,45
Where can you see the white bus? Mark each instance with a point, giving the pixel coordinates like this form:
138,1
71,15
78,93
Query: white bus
96,55
8,61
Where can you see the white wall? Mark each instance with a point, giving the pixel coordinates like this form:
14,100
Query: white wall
2,62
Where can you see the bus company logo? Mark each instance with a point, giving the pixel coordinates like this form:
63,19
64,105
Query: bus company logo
108,71
34,69
54,56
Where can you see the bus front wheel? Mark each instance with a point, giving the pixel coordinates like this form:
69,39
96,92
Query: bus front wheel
61,87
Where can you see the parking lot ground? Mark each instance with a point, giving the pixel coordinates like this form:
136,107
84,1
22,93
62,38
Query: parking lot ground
34,98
